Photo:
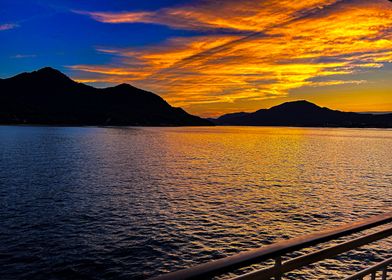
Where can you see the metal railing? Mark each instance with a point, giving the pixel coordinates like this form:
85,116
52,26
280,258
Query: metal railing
372,271
277,250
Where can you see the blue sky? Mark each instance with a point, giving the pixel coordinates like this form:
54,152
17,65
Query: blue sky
49,33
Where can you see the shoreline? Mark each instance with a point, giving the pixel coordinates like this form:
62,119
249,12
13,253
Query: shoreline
187,126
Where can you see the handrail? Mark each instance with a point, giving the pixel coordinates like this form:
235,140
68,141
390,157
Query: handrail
244,259
323,254
372,270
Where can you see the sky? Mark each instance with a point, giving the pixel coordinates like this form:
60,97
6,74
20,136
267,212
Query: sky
211,57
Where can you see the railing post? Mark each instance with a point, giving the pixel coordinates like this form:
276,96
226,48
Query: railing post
384,273
373,277
278,268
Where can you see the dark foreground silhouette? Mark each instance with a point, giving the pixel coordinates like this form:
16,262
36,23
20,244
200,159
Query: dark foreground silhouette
49,97
304,113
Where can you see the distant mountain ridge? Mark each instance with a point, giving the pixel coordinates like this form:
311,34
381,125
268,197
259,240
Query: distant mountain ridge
306,114
47,96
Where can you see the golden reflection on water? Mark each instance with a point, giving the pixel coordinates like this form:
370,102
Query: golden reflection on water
274,173
235,188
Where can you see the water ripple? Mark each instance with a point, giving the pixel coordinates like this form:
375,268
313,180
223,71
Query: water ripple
104,203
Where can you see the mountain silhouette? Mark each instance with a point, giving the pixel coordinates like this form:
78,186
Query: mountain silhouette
47,96
304,113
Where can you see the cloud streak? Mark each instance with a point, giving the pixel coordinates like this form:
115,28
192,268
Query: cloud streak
21,56
273,48
246,15
8,26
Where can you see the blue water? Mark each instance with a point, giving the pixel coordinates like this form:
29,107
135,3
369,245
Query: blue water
130,203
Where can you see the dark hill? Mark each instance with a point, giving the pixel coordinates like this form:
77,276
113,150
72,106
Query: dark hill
304,113
47,96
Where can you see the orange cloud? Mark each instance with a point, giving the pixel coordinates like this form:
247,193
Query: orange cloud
245,15
288,45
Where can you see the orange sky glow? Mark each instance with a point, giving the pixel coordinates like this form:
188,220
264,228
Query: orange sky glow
247,55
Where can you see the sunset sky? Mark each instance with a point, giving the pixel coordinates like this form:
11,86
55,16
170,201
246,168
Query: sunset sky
211,56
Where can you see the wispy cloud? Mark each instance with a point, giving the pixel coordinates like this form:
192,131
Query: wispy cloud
19,56
246,15
8,26
274,47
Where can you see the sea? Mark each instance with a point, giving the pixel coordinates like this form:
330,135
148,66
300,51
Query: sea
137,202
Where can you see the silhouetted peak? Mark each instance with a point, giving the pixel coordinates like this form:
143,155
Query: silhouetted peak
48,71
298,105
51,73
124,86
44,75
304,113
233,115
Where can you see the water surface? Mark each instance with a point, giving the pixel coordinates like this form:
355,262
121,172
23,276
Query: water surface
130,203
